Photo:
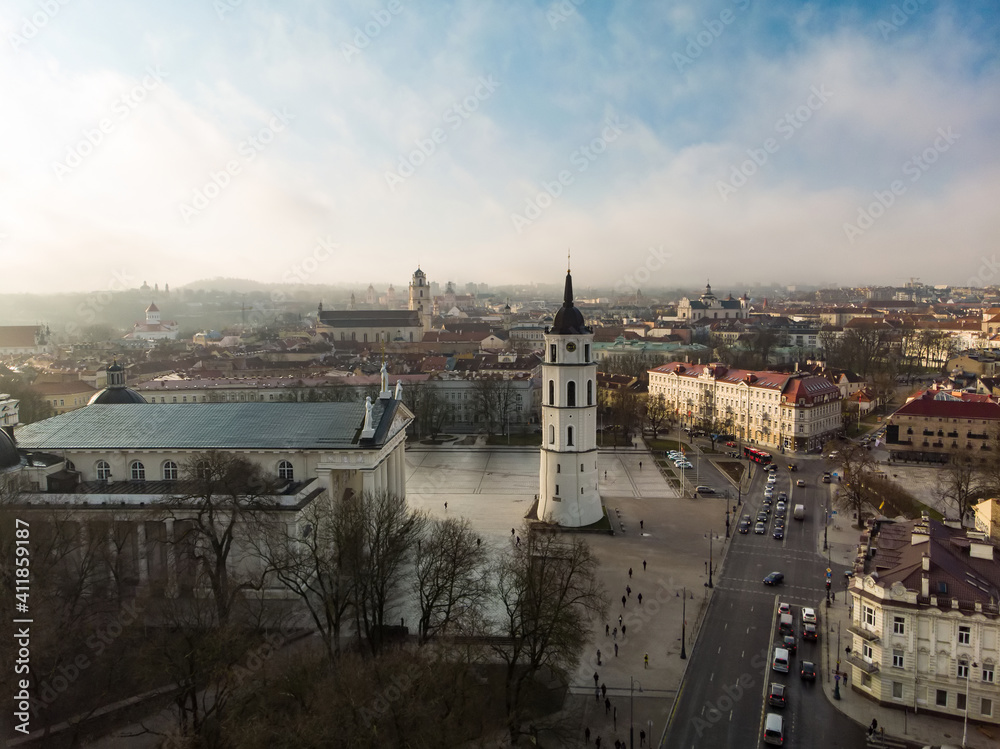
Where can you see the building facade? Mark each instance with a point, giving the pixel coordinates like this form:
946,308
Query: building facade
789,411
154,328
925,629
710,307
568,489
938,423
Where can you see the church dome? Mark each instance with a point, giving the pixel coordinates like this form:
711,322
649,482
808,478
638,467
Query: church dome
10,458
116,393
569,320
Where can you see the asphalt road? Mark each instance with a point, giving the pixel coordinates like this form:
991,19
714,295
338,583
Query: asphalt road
722,700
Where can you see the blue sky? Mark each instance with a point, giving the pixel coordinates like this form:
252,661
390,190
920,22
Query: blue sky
798,143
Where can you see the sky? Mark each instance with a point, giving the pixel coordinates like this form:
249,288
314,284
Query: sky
664,144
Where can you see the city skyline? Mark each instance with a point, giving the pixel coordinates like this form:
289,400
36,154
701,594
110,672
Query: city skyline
663,145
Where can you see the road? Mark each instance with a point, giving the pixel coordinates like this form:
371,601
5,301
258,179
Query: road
722,700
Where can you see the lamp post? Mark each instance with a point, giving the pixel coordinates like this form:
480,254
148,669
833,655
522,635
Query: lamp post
709,583
727,518
826,517
631,727
683,621
968,682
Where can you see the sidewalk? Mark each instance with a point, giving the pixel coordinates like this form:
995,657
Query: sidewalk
921,729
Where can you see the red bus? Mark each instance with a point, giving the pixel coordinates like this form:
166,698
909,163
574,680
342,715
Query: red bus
757,456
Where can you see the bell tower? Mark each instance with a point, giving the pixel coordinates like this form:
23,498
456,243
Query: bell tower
568,491
420,297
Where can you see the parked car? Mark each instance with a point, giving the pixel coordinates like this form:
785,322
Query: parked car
807,670
730,444
774,578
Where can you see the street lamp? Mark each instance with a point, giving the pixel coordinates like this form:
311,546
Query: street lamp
631,729
968,682
684,593
709,583
727,518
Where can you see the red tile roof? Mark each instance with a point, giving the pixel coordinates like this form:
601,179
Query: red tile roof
971,406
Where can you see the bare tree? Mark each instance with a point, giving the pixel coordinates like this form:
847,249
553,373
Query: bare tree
383,533
961,482
220,503
547,592
858,469
450,578
657,414
494,399
312,560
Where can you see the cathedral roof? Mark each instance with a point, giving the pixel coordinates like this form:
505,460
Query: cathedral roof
152,307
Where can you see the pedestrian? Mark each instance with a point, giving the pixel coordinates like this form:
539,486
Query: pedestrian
619,620
615,633
616,650
607,630
618,744
605,474
614,717
629,573
586,734
640,465
518,541
446,506
598,657
479,542
596,679
642,524
511,532
643,565
604,691
623,601
628,590
597,743
623,631
607,706
645,661
642,738
640,598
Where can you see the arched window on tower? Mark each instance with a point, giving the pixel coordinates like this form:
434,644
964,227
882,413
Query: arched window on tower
569,436
590,392
552,435
571,393
552,392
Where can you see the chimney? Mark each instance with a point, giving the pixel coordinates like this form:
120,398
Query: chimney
925,580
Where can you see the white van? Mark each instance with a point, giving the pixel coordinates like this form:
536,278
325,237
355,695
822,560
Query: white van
780,662
774,729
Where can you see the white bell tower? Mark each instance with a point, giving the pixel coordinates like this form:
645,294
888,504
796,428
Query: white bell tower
568,493
420,297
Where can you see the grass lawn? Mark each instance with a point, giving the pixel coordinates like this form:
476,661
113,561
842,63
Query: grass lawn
515,439
734,469
664,445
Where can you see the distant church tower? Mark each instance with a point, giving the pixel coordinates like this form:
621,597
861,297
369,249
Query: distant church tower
568,493
420,297
152,314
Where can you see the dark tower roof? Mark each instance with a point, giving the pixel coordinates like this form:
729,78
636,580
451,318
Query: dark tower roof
569,320
116,392
9,456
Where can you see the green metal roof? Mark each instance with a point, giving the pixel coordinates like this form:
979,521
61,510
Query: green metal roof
202,426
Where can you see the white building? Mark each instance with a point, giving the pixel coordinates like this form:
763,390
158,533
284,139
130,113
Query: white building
710,307
925,630
790,411
154,329
568,492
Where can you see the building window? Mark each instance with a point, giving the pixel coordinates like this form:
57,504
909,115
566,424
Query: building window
960,701
590,392
988,673
869,616
552,435
897,658
963,669
170,471
569,436
986,707
203,471
581,468
285,470
586,352
897,690
138,471
558,468
557,490
941,698
552,392
571,393
103,470
866,652
964,635
552,352
898,625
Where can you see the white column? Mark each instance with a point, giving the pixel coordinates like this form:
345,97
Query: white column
367,481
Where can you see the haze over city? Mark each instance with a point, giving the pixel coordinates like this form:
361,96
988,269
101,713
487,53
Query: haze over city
839,143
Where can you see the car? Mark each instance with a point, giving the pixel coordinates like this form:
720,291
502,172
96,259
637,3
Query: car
760,529
810,633
826,478
780,513
683,464
807,670
779,523
792,467
800,483
776,695
762,517
730,444
704,490
744,527
808,616
784,608
779,533
789,643
782,496
767,502
774,578
771,478
781,504
833,455
768,493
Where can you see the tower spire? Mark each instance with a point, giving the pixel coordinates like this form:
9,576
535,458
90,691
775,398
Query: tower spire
569,265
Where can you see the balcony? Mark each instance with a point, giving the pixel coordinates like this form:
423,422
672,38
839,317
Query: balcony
858,662
865,634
